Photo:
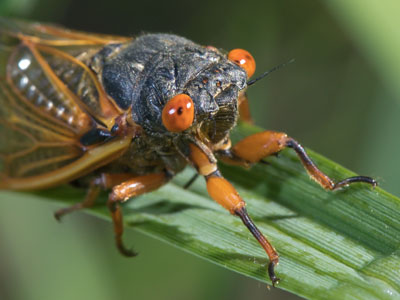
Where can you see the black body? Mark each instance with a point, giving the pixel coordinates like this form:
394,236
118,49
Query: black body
147,72
142,75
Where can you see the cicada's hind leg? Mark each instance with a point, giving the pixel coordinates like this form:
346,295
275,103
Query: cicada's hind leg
244,109
260,145
121,193
90,199
102,182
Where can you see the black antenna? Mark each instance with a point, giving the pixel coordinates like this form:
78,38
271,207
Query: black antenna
253,81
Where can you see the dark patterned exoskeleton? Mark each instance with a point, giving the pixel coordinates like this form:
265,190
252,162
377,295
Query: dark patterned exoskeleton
126,115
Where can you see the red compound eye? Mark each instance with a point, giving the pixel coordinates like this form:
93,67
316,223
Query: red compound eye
178,113
244,60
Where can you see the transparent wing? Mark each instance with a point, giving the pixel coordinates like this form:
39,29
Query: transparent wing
49,98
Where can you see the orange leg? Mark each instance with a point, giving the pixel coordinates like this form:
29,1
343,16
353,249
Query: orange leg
225,194
104,181
121,193
257,146
244,109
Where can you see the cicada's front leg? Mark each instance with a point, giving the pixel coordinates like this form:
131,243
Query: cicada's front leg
226,195
121,193
260,145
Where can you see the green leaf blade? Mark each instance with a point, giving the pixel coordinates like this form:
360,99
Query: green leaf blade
332,245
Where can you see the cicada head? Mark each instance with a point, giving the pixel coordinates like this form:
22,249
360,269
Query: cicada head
215,91
156,75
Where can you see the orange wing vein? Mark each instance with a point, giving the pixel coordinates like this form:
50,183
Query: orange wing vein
49,98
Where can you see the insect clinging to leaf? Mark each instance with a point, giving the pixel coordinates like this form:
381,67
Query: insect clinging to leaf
126,115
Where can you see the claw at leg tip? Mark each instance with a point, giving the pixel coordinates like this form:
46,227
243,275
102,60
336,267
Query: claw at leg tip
271,272
126,252
275,282
374,183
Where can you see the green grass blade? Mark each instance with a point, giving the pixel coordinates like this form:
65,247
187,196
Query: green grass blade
333,245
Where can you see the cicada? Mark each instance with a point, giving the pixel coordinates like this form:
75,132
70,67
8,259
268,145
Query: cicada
126,115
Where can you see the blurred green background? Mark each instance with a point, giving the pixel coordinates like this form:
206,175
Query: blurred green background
340,98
